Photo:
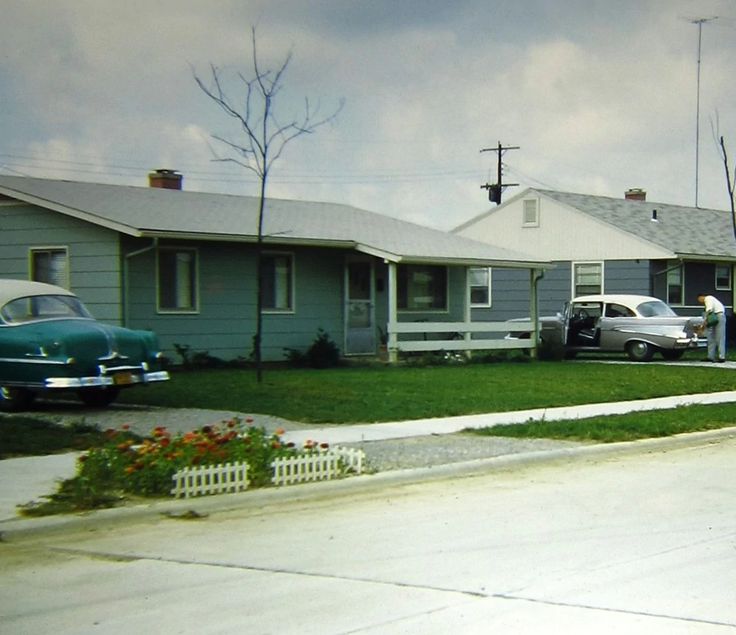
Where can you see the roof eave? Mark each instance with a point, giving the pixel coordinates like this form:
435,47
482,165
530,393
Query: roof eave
71,211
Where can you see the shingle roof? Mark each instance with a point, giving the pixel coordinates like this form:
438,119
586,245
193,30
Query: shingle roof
687,231
145,211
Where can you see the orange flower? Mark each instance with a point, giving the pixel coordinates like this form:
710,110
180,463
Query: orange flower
280,431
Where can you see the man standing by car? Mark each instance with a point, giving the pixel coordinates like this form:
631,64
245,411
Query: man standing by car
714,321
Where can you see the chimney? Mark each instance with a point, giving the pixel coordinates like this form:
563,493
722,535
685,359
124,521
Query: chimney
166,179
635,194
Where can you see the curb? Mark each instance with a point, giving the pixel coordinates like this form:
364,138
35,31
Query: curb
256,501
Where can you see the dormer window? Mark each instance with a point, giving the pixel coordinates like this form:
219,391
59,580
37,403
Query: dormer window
530,213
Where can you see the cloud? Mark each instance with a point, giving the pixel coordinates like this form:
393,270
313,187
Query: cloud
599,95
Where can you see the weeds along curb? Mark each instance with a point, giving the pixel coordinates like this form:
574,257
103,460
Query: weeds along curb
262,500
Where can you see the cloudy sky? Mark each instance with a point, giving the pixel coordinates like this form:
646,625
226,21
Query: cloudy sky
599,95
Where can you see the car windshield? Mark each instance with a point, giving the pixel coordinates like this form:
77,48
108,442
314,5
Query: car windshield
43,307
655,308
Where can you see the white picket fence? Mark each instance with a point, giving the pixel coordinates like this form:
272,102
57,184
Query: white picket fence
320,466
210,479
233,477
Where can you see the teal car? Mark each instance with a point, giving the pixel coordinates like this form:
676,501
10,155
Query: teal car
50,343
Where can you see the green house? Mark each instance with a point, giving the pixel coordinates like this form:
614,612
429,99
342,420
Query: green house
183,264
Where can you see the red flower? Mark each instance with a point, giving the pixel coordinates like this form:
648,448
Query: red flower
125,426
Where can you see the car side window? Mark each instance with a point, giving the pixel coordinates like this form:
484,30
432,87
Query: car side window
618,310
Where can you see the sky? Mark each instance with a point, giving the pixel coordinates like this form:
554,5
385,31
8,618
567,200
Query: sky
599,96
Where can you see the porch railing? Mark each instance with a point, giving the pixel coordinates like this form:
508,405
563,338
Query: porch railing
458,336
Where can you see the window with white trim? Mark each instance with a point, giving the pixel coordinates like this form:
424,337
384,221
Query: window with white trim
421,287
723,277
50,265
177,280
479,281
530,213
277,281
587,278
674,285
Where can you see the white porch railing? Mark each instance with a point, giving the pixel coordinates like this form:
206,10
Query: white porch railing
458,336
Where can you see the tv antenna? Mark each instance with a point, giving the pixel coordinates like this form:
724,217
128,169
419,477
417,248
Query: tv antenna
699,22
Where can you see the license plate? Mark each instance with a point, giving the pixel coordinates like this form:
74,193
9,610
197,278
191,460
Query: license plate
122,379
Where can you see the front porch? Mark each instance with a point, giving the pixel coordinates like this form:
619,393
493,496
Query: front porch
467,335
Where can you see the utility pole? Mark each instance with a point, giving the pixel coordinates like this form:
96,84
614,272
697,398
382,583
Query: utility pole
496,189
699,22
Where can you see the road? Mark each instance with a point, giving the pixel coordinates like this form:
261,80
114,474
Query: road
640,543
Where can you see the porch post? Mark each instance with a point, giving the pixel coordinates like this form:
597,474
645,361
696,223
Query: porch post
467,313
535,276
393,353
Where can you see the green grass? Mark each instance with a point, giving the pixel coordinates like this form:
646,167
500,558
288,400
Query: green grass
627,427
373,394
21,436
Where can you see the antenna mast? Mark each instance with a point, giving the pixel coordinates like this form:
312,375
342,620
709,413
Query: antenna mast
699,22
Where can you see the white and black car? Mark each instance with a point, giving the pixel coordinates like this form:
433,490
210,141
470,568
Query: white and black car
638,325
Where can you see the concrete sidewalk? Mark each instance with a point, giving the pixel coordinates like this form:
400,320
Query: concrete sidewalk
26,479
448,425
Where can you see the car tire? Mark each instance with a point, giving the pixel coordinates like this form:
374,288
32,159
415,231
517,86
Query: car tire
15,399
98,397
639,351
672,356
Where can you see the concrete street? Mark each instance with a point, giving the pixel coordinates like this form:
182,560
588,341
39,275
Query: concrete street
633,543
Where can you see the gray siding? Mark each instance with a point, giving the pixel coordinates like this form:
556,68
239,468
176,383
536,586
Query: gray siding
628,276
511,288
225,323
94,260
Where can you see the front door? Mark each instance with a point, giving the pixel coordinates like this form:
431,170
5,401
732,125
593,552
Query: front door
360,318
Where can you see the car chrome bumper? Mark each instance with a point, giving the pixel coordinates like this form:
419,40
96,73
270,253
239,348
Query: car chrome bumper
119,379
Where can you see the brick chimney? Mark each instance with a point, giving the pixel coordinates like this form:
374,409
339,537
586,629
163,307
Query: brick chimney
166,179
635,194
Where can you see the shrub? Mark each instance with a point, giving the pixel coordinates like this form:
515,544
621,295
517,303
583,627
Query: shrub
323,353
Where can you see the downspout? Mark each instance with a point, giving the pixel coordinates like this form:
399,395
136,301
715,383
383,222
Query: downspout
126,278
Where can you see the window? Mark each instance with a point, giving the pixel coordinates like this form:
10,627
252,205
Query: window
422,287
530,213
587,278
177,280
674,285
479,280
50,265
723,277
277,284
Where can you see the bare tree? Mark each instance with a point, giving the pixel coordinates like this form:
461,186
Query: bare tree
262,140
729,182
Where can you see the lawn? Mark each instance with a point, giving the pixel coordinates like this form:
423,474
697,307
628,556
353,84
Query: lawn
373,394
626,427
